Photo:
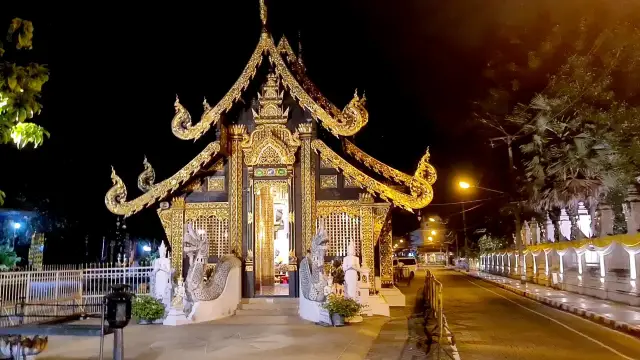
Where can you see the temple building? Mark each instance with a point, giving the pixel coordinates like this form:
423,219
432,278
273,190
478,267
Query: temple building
268,180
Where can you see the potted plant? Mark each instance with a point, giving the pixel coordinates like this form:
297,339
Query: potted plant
147,309
341,308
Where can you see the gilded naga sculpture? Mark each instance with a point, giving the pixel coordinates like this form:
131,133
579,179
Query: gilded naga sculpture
312,278
196,247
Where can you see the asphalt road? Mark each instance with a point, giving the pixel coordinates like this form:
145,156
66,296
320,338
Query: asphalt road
492,323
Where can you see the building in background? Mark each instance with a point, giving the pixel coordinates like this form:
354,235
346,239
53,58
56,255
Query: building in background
429,240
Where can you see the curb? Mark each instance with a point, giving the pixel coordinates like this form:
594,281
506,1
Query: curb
589,315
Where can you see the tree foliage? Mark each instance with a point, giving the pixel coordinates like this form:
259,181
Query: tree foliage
20,90
577,131
489,243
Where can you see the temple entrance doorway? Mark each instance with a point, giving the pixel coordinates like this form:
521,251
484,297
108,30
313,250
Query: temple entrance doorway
272,237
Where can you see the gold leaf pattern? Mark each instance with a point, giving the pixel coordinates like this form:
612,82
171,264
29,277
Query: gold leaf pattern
115,199
421,192
328,181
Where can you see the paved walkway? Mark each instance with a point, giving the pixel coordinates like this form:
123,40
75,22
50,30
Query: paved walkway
396,340
215,340
622,317
491,323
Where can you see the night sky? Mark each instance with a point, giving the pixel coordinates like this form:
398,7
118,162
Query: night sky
115,73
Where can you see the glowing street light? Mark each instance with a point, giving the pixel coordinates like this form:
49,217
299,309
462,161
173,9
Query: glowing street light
146,248
464,185
430,238
433,232
432,219
401,240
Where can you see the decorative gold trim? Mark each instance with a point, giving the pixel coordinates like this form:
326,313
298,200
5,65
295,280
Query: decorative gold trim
285,47
237,133
349,183
182,126
177,233
307,186
379,218
324,164
270,144
261,184
421,192
217,166
218,210
147,177
263,13
365,198
424,172
341,123
115,199
194,186
366,231
325,208
215,183
386,255
328,181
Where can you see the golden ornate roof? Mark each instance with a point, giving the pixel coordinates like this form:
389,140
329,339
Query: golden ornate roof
421,192
345,122
116,198
272,142
425,171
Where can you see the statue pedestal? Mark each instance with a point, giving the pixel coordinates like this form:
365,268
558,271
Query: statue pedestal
176,317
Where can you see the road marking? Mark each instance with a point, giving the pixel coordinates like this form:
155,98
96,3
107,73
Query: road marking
559,323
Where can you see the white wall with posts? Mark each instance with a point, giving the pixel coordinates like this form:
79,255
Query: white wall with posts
606,268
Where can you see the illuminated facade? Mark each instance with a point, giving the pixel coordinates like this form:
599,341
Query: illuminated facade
261,189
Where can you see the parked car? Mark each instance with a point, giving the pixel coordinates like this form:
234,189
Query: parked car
409,262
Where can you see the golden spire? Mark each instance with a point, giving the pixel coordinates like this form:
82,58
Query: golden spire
263,13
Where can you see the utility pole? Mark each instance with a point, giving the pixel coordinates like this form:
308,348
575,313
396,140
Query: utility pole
515,205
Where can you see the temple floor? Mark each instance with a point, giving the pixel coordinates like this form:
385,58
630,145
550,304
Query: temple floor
276,290
222,339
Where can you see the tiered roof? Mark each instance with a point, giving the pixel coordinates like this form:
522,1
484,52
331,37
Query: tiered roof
290,71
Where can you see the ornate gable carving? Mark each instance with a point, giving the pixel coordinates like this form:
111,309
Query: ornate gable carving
271,143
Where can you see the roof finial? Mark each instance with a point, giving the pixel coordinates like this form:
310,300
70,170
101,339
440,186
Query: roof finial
263,13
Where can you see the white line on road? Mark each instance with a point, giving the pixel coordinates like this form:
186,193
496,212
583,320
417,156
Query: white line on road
559,323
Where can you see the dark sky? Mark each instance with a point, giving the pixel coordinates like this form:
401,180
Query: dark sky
115,72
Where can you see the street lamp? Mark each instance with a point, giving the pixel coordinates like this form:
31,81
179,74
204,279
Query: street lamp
432,219
430,238
433,232
16,227
146,248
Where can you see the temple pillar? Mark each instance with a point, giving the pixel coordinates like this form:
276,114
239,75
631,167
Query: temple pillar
177,233
307,185
386,256
235,189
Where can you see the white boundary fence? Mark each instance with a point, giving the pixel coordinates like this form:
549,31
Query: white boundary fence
52,293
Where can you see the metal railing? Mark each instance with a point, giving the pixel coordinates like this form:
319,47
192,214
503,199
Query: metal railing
434,308
81,290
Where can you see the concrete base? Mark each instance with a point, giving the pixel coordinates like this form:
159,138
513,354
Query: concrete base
393,296
378,306
309,310
176,318
225,305
355,319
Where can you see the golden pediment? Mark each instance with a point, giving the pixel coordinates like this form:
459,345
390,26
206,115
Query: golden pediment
270,144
